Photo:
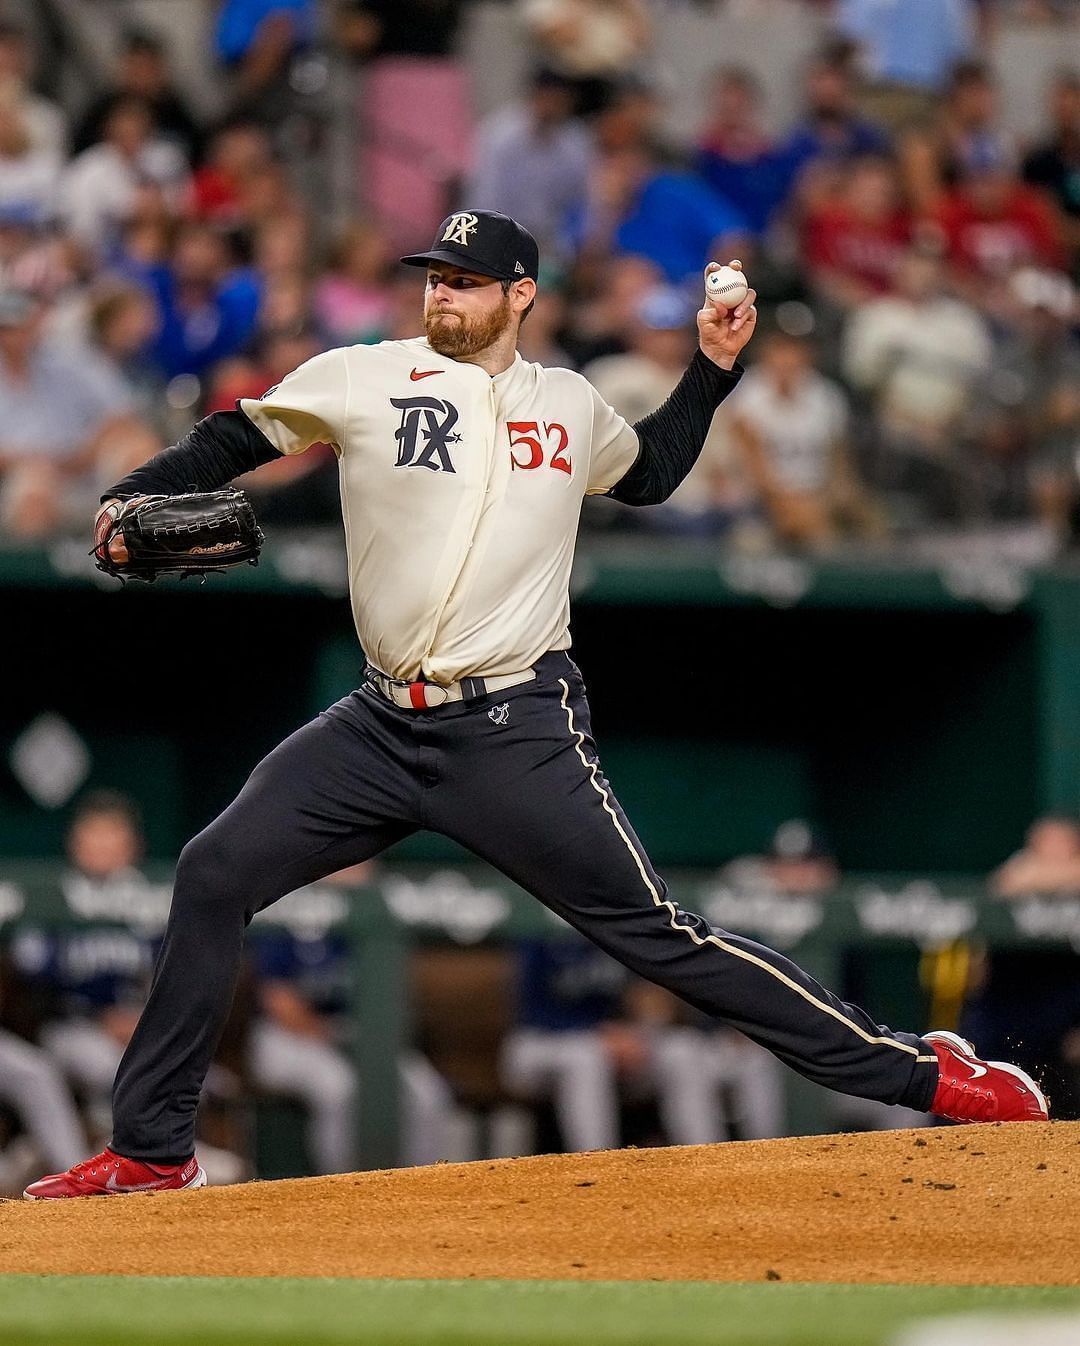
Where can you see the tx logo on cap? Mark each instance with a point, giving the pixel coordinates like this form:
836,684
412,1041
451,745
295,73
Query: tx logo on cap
459,228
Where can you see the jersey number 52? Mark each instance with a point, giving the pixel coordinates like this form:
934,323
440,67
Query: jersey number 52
527,445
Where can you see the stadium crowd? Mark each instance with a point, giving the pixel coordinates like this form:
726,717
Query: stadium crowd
919,365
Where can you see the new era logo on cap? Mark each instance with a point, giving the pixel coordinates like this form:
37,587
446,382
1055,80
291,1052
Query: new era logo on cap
483,241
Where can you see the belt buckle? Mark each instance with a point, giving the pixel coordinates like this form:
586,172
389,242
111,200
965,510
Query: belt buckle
421,695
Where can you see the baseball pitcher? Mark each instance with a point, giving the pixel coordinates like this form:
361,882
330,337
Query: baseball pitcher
463,470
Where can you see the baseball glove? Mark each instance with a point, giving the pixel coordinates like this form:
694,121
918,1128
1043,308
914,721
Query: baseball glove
192,534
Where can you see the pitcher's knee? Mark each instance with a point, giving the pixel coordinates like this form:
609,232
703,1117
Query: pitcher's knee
210,873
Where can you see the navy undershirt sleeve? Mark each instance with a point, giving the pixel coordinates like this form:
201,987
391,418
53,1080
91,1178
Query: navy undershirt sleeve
220,447
671,437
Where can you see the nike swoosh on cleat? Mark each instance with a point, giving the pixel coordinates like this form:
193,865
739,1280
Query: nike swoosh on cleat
417,374
112,1186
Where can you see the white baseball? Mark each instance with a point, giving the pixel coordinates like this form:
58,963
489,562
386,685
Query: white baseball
726,286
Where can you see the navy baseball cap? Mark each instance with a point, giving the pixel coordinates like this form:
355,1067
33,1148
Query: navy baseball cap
485,242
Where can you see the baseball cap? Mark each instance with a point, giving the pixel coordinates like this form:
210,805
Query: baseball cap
796,839
664,309
485,242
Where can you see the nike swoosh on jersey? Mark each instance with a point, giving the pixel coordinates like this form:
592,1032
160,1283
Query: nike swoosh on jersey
417,374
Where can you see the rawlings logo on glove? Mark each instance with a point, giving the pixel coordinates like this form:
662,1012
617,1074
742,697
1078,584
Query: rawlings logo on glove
194,534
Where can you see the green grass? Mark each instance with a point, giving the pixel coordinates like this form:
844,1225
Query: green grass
133,1311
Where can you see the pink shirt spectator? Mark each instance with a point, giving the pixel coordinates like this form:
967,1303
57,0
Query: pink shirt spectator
348,312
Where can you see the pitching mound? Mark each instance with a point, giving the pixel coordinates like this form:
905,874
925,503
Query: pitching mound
959,1205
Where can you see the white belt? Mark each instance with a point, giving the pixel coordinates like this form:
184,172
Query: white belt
423,695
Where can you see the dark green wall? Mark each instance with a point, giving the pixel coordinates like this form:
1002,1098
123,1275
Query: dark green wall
913,737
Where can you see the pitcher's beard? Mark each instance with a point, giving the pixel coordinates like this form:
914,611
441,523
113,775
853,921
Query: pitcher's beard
454,336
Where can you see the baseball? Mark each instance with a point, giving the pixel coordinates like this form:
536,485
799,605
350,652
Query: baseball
726,286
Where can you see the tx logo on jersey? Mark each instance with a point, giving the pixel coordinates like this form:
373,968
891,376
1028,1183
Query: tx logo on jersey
425,433
499,714
459,229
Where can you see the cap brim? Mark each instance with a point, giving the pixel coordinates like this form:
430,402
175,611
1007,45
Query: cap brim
454,259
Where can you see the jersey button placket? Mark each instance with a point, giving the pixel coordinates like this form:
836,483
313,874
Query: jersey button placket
475,523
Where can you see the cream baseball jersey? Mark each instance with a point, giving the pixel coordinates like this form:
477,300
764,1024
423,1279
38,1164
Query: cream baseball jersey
461,495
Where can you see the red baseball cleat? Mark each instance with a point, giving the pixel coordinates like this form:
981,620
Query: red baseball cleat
109,1174
971,1090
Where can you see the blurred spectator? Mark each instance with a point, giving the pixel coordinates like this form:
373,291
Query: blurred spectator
285,306
791,427
713,1084
256,40
919,357
406,308
98,978
592,43
1042,1032
301,488
122,321
207,306
94,978
33,257
29,175
352,298
630,121
539,339
282,244
1048,862
831,131
1054,165
33,1088
798,863
964,138
568,1043
46,124
599,322
586,1035
907,51
142,72
661,337
853,246
1027,419
100,186
532,161
735,155
266,198
236,154
67,421
677,222
994,224
298,1041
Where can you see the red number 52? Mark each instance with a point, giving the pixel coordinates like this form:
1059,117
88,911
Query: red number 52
527,451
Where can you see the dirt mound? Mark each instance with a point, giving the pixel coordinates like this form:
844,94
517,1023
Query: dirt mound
965,1204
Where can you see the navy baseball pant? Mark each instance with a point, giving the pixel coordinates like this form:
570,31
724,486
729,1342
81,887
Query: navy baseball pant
522,789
